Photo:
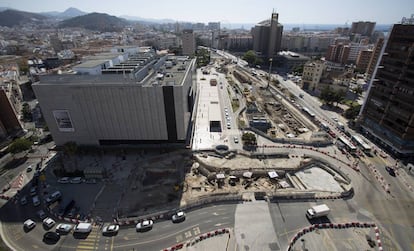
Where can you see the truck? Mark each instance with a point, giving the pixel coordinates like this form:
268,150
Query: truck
317,211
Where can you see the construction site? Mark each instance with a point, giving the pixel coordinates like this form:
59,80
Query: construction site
273,110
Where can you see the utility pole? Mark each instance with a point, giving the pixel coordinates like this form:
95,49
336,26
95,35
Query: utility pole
270,70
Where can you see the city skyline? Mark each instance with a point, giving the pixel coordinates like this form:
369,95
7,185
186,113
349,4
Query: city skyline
325,12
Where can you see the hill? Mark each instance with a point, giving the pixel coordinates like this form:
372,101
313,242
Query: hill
11,18
95,21
69,13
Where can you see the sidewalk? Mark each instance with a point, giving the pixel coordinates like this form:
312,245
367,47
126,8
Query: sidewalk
217,243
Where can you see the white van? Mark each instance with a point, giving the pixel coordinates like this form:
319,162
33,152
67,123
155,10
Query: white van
83,228
36,201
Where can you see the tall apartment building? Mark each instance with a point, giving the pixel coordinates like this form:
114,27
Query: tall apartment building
388,111
188,41
363,28
363,59
140,101
9,123
267,37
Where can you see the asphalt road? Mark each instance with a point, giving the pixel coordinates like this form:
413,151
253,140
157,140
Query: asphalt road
162,235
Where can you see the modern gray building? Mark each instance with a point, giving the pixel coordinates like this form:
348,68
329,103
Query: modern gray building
142,100
267,37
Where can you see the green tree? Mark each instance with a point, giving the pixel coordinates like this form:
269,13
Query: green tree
250,57
249,138
352,112
20,145
26,112
330,96
358,90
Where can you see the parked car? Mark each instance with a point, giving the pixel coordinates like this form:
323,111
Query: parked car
178,217
48,222
63,228
23,200
76,180
29,224
29,168
63,180
36,201
41,214
51,237
145,225
33,191
111,229
55,196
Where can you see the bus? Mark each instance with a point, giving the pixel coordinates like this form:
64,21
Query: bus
343,142
308,112
361,144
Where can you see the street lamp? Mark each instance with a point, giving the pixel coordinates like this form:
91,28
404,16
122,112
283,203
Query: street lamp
270,69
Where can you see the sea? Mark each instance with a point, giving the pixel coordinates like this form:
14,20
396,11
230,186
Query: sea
303,27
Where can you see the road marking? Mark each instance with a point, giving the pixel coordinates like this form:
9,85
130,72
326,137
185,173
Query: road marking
188,234
165,226
208,221
179,238
79,247
196,230
194,227
215,214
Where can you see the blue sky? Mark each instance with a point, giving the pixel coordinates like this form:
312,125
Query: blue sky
235,11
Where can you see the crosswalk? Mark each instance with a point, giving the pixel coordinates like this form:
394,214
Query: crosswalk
91,242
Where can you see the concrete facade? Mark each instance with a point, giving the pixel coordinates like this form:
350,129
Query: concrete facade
267,37
312,73
388,111
112,109
188,40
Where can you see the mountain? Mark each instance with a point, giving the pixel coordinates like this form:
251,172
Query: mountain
11,17
72,12
69,13
95,21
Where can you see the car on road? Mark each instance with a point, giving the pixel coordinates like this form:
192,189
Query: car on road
335,119
48,222
111,229
23,200
83,228
145,225
63,180
333,135
178,217
51,237
29,224
390,170
76,180
63,228
236,139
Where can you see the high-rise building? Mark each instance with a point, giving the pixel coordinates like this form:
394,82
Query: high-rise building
387,114
189,45
374,57
363,28
141,100
9,123
267,37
